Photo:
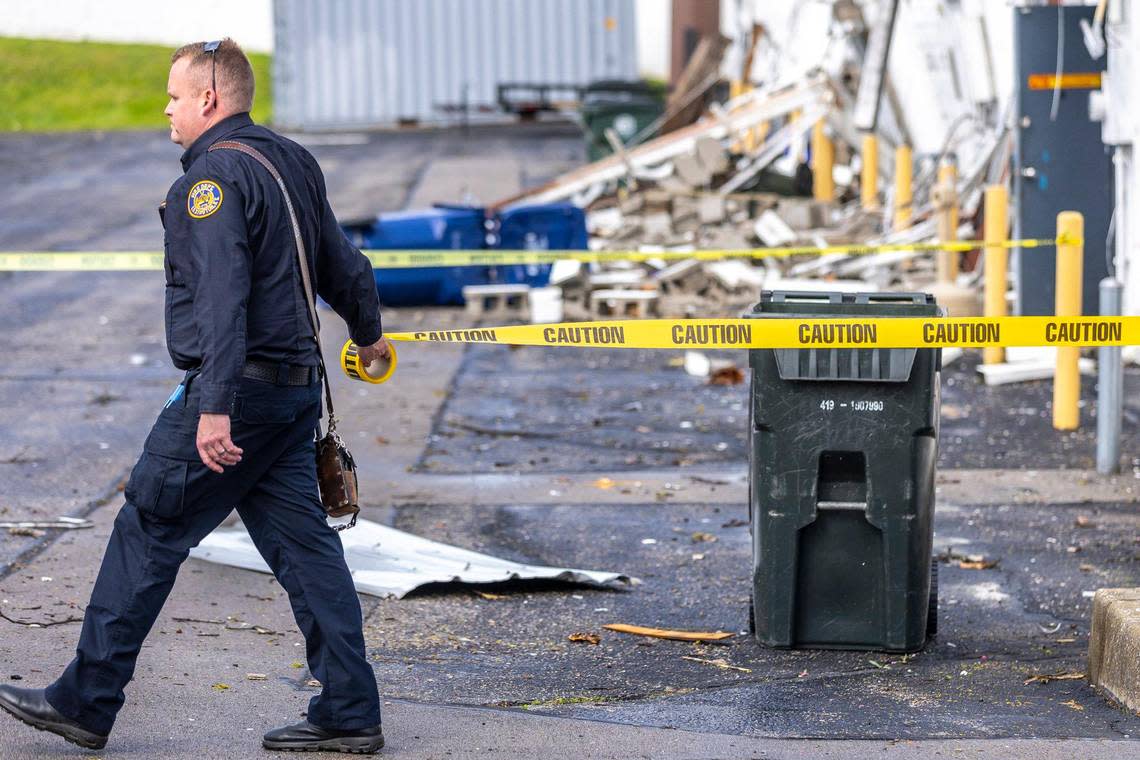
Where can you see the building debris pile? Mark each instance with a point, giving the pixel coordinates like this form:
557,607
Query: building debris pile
771,167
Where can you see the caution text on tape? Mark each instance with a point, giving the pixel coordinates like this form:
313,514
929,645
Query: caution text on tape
849,332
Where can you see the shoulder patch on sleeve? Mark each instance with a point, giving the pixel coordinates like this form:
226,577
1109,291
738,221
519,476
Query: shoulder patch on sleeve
204,198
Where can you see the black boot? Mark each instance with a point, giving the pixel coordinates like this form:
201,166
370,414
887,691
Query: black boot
30,706
305,737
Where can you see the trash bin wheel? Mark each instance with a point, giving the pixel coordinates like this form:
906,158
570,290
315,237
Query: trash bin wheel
932,609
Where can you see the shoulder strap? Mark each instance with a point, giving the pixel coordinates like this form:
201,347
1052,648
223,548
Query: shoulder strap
302,258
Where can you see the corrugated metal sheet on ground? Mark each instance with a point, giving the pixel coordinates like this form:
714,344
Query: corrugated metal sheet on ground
389,562
360,63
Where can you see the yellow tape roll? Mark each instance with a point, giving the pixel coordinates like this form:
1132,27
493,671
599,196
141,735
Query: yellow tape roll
350,363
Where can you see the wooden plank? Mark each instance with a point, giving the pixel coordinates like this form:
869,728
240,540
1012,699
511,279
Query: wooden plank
705,62
763,107
662,633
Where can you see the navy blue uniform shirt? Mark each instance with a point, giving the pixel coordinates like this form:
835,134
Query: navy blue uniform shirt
233,285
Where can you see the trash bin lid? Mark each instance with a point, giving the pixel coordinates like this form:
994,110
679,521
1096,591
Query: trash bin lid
843,364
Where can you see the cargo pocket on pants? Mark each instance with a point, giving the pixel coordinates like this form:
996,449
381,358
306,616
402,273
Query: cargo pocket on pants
157,486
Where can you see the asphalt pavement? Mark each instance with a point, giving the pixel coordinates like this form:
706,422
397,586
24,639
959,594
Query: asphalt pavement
607,460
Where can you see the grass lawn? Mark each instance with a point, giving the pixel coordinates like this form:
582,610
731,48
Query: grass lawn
49,86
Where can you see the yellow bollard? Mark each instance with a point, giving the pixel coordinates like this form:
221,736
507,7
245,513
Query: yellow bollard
760,133
870,180
996,262
1070,266
947,204
753,137
904,196
822,164
736,88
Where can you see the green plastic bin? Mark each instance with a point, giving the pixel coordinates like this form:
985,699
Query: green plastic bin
627,107
841,483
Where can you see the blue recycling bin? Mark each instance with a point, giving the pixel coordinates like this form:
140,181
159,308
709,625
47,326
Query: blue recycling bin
454,227
543,227
554,226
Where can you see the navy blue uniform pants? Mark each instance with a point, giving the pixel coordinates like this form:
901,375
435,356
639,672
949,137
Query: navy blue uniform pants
173,501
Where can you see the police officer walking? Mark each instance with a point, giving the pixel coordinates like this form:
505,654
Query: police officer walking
239,430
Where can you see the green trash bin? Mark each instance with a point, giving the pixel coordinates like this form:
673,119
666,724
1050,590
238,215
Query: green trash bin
627,107
841,483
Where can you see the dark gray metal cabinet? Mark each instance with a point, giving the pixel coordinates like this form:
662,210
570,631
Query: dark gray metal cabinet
1060,163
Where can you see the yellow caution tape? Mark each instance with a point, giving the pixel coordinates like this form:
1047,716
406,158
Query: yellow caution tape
404,259
783,332
81,261
119,261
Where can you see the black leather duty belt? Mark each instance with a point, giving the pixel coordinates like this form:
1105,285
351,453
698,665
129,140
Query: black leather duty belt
280,374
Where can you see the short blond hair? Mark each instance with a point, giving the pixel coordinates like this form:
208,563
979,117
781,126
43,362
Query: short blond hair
233,72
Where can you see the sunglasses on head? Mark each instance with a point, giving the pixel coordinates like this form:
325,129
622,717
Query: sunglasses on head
212,47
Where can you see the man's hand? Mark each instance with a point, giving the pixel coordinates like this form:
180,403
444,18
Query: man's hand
381,350
214,444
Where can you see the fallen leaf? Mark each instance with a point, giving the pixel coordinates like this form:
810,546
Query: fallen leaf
879,665
952,412
1071,675
677,361
1083,521
488,595
296,665
382,440
1087,568
30,532
727,376
243,626
1074,705
663,633
701,537
968,561
604,483
585,638
735,523
720,662
220,686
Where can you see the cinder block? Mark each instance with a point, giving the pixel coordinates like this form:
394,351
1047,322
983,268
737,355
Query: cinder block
684,211
682,305
801,213
710,208
508,300
712,155
1114,645
638,304
689,169
685,276
657,225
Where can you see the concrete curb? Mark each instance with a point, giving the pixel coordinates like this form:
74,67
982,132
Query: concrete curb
1114,644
